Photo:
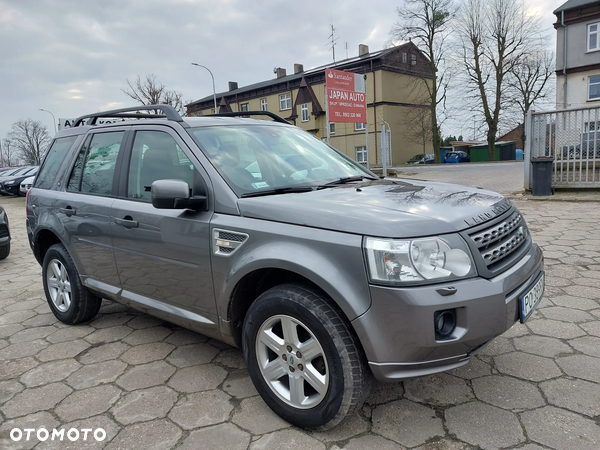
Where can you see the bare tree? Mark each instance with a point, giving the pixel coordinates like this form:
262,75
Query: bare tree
30,140
426,22
418,126
150,91
528,82
495,36
7,156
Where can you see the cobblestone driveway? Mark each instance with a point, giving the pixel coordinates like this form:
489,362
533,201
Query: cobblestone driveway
150,384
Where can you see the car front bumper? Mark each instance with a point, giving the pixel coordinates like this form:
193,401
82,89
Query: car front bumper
398,332
12,189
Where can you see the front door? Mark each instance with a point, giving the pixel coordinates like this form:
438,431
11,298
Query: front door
163,255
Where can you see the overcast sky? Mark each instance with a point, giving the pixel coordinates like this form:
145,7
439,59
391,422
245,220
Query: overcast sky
74,57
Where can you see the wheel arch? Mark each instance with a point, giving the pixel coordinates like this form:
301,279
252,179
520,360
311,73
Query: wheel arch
43,240
254,283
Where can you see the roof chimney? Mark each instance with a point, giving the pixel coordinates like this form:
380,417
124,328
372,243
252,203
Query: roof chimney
298,68
363,49
233,85
280,72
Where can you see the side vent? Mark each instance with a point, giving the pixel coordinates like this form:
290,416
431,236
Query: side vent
226,242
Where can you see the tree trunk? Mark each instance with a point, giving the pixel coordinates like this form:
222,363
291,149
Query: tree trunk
491,141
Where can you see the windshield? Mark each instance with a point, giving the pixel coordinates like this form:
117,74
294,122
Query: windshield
252,158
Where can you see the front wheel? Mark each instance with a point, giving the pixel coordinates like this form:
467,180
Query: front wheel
69,299
303,358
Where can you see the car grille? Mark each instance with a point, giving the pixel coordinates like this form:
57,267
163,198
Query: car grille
3,231
500,240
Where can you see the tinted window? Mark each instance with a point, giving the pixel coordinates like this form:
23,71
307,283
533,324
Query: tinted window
52,162
100,162
156,156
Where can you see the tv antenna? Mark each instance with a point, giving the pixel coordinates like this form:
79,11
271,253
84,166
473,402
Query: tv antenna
333,40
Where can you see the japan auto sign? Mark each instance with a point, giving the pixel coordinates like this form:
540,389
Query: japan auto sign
346,98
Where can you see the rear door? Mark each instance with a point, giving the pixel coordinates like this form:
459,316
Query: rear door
83,208
163,255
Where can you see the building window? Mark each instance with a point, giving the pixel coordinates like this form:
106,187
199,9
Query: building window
594,90
404,57
361,154
332,128
593,37
413,59
263,104
360,126
244,107
285,101
304,111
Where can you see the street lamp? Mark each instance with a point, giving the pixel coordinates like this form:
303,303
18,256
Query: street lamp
53,118
213,82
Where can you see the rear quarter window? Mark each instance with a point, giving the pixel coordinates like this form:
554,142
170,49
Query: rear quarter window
52,162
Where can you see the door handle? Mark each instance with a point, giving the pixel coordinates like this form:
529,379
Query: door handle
68,211
127,222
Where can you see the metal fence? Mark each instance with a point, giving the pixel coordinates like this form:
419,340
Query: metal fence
572,138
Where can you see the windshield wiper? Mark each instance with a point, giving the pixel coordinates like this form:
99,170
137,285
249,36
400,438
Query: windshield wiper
285,190
345,180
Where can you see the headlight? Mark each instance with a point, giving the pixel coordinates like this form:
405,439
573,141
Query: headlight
10,182
418,261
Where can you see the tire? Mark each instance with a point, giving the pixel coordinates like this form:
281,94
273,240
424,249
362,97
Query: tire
69,299
316,389
5,251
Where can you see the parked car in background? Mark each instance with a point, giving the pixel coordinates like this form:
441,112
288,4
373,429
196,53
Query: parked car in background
457,157
26,185
422,158
10,185
9,171
4,234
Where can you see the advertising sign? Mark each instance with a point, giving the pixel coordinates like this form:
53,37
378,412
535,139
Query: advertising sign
346,97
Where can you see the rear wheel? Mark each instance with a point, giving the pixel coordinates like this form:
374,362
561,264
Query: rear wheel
303,358
69,299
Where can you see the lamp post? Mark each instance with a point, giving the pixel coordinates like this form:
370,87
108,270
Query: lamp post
53,118
213,83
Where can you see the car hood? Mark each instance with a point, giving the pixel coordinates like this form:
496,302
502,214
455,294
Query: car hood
387,208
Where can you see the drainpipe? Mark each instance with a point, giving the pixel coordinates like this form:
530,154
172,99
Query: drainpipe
562,22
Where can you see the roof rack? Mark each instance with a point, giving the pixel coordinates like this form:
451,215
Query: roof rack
273,116
168,111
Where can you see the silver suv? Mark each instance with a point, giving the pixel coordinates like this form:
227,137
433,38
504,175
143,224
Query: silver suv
258,234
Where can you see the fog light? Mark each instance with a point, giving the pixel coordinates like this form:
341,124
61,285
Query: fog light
444,323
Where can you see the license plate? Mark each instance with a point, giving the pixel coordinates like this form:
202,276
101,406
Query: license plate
532,297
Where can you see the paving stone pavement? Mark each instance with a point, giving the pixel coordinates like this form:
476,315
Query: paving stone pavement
153,385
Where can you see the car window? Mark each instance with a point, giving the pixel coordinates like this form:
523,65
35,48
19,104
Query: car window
95,165
52,162
255,157
156,156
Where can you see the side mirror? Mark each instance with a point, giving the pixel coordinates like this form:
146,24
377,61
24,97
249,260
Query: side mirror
175,194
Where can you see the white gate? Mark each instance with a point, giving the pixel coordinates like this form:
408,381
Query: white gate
572,138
